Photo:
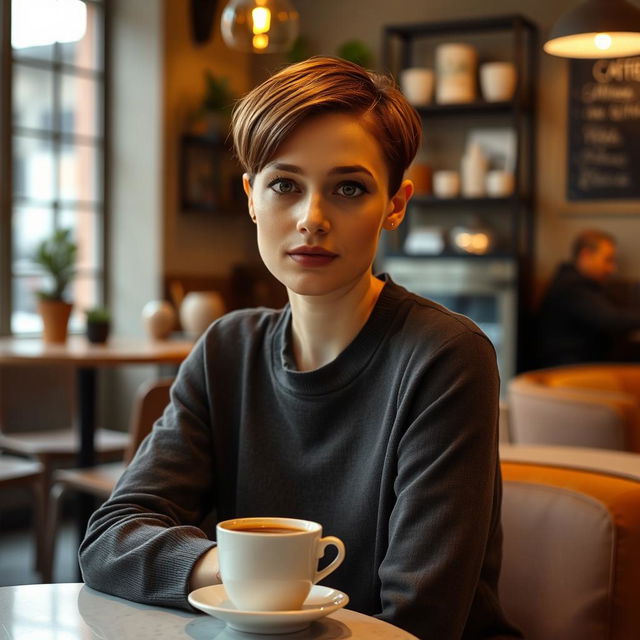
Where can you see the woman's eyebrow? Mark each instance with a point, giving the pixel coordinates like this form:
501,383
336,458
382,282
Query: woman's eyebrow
341,170
353,168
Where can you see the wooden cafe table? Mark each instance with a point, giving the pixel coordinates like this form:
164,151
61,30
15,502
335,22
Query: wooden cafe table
86,358
75,612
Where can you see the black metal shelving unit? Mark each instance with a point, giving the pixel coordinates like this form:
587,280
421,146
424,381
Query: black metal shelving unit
402,47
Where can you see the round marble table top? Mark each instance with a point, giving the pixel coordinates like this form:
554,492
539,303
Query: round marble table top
76,612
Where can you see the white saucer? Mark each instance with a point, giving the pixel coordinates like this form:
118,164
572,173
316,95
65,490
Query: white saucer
321,602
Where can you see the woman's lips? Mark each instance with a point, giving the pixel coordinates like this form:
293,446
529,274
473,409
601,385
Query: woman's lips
311,256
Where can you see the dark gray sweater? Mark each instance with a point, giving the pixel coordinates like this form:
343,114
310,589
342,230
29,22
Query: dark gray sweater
392,447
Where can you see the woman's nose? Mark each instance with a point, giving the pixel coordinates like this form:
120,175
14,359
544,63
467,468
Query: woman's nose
312,218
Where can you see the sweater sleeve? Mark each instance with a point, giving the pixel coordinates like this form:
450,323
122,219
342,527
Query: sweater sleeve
439,575
142,543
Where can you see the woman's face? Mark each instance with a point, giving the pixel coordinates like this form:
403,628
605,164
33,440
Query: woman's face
320,205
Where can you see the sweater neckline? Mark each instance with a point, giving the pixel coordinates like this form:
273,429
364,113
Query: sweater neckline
338,373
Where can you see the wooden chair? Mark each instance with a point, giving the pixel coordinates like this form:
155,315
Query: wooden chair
21,473
36,419
99,481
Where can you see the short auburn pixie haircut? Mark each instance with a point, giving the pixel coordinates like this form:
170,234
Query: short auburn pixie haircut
265,117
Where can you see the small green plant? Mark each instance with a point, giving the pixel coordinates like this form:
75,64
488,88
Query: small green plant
98,315
57,256
357,52
217,95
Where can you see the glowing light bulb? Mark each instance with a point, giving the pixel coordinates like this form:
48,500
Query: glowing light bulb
602,41
259,26
261,17
260,41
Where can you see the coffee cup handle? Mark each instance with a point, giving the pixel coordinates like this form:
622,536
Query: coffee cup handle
323,543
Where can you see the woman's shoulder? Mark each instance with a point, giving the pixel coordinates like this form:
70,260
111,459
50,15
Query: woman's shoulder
245,324
422,317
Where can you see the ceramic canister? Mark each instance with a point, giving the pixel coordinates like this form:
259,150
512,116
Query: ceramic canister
456,66
199,309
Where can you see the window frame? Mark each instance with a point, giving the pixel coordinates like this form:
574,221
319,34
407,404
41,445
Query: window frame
7,133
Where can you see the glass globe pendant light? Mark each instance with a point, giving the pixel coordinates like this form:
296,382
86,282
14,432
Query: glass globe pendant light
259,26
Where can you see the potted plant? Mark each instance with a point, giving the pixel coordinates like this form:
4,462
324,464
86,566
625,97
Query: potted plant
57,257
357,52
212,117
98,324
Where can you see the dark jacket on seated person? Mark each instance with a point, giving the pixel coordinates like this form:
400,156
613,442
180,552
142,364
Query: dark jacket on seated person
577,322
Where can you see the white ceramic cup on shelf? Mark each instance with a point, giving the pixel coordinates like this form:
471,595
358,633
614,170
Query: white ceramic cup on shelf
416,83
446,184
498,81
270,564
500,184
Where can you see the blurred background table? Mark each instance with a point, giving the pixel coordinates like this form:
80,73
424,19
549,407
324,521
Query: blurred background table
75,612
86,358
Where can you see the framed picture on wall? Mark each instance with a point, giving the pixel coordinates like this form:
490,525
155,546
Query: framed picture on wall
210,178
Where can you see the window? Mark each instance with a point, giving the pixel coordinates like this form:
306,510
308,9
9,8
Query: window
57,141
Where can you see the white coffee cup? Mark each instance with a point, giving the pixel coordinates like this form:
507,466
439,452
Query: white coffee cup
270,564
498,81
417,85
446,184
500,184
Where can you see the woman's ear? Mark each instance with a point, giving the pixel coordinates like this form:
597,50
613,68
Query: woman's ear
398,206
246,185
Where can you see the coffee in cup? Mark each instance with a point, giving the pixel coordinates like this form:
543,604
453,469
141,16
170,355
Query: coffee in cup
270,564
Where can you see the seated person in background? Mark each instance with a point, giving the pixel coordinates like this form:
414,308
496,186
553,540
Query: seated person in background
358,405
577,321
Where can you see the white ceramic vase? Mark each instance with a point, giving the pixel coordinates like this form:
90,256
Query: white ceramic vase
473,169
159,319
498,81
198,310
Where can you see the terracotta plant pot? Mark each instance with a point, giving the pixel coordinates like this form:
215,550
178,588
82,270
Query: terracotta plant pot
55,318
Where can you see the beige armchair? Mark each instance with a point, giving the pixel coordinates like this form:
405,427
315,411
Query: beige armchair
584,405
571,553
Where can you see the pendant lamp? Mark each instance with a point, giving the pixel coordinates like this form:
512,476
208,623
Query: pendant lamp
596,29
259,26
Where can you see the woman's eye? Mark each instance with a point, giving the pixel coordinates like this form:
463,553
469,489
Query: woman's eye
350,189
283,186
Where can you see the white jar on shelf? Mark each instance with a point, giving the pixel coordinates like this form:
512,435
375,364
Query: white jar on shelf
456,68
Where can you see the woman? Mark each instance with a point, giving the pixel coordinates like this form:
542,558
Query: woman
359,405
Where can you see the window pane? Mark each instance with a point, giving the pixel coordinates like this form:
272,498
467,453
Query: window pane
33,168
79,179
32,97
30,226
87,227
30,30
24,316
79,109
84,295
86,52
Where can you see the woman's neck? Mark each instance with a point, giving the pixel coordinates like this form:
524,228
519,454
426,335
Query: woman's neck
323,326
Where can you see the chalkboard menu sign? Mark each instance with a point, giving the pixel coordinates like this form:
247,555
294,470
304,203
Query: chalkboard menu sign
604,129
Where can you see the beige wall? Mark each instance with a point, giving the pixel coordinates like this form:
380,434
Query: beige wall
329,23
197,243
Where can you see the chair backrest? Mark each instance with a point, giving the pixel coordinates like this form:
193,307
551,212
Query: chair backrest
589,405
571,554
151,400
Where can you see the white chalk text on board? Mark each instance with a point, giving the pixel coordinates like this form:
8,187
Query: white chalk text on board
604,129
